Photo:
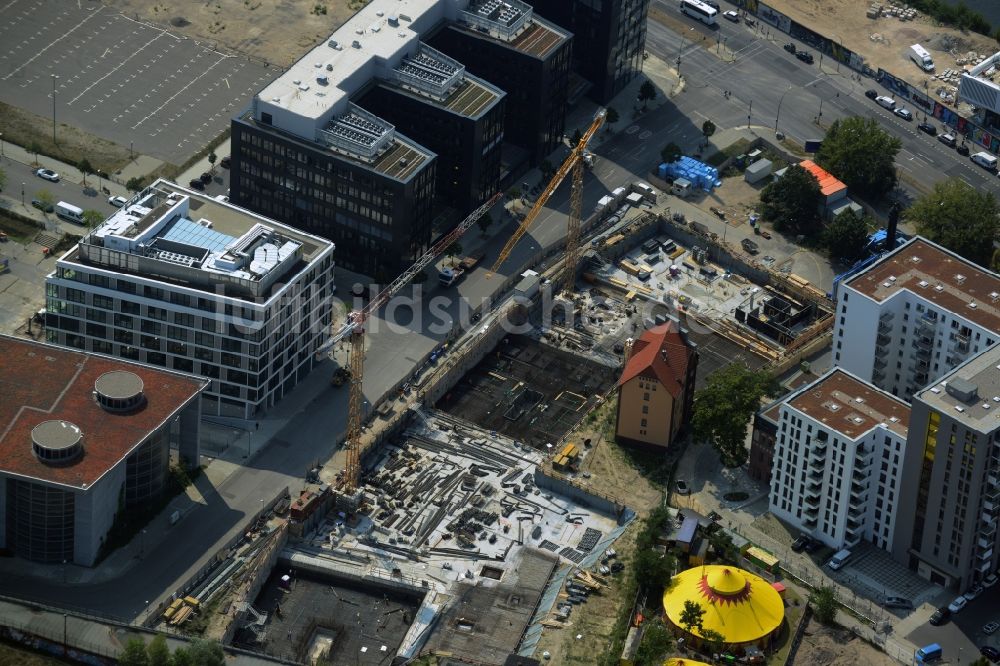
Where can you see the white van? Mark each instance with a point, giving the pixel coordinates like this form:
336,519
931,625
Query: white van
985,160
839,560
921,58
68,211
886,102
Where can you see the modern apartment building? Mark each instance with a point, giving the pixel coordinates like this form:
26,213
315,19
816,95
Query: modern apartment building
179,280
458,116
82,438
656,389
609,38
913,316
508,44
838,461
946,524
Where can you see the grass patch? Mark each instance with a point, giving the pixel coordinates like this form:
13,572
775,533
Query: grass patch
793,147
793,613
18,227
24,128
739,147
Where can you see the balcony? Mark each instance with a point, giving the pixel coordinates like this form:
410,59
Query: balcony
880,363
926,324
985,555
816,474
859,474
924,343
878,375
883,339
812,499
815,485
853,522
811,511
887,316
858,487
819,449
810,522
817,462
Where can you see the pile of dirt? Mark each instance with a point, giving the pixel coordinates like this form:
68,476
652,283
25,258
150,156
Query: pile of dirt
836,646
179,22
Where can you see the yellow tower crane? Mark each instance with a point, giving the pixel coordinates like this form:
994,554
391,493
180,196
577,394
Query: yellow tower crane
574,162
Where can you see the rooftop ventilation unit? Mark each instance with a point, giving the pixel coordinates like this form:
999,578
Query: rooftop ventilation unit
119,391
962,389
393,20
356,44
57,442
322,80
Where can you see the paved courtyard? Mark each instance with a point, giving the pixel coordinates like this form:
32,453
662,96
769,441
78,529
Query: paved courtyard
121,79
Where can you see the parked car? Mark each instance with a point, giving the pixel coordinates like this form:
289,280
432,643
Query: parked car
947,139
805,57
44,207
224,162
196,184
928,129
813,546
731,16
682,487
990,628
871,93
789,47
48,174
973,592
800,544
991,653
990,581
117,201
898,602
962,149
940,616
206,178
958,604
904,113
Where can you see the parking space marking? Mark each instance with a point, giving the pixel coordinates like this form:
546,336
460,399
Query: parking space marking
116,68
171,98
52,43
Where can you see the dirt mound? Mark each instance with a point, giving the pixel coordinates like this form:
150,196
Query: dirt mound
949,43
179,22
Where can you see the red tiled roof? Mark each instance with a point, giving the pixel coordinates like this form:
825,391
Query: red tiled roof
41,382
828,183
661,354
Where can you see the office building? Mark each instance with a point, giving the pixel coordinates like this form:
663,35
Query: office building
656,389
948,511
838,459
609,38
763,438
456,115
182,281
83,437
509,45
914,315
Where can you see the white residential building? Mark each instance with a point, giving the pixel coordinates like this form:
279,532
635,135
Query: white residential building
837,458
180,280
913,316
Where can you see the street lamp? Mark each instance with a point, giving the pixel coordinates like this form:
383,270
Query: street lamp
1,145
778,114
22,194
749,111
54,77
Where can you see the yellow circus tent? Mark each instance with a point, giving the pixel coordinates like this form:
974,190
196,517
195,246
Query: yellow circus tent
739,605
680,661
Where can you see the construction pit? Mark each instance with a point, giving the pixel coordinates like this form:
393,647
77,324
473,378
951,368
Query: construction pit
471,521
530,391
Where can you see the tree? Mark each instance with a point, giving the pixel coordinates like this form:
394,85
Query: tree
861,154
3,178
454,249
157,652
46,198
846,236
714,639
723,546
134,653
654,569
647,93
484,223
824,603
92,218
576,138
671,153
960,217
86,168
611,117
206,653
792,201
707,129
134,184
995,263
656,641
211,158
692,616
722,409
35,148
181,657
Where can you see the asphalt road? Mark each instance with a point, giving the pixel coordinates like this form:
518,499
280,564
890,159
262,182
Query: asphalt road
21,178
775,89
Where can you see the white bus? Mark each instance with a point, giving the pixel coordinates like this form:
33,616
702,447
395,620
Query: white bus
702,11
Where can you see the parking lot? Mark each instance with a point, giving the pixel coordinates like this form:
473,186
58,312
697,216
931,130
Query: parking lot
129,82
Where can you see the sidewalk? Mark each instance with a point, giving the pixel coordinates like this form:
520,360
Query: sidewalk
203,165
68,172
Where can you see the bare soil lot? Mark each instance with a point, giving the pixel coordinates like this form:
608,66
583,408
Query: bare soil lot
836,646
276,32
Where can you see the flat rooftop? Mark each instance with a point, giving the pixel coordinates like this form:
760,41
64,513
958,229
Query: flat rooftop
41,382
935,275
514,23
981,371
849,406
197,240
437,79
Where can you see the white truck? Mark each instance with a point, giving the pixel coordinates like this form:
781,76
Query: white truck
985,160
68,211
921,58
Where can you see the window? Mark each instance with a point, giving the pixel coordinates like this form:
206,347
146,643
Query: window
645,409
76,295
204,339
103,302
645,396
129,307
642,423
157,313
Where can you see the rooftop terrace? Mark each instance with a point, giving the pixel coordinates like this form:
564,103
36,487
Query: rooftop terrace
935,275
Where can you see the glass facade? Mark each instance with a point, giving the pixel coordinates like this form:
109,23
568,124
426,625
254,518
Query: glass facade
40,521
